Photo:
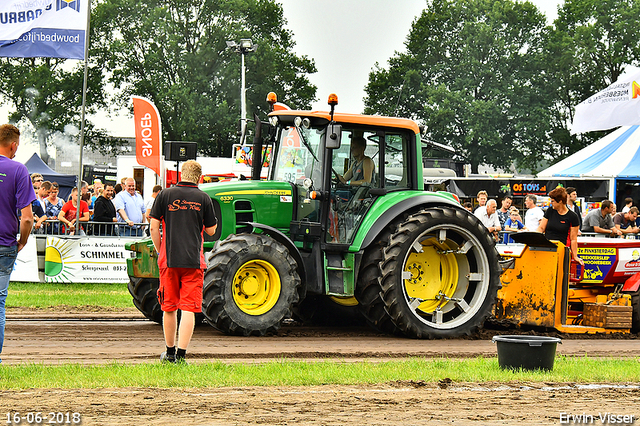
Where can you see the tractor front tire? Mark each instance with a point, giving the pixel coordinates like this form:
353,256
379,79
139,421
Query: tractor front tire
439,274
145,297
250,286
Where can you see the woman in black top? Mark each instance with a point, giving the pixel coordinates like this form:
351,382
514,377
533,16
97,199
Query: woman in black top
104,211
560,223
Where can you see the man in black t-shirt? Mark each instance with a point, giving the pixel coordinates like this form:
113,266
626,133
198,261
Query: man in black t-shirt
185,212
572,198
503,212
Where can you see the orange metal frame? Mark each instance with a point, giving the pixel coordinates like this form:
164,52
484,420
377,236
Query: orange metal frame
536,292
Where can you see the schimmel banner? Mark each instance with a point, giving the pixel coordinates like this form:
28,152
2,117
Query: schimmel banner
86,260
43,28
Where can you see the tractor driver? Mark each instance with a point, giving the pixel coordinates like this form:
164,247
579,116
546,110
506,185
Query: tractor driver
362,168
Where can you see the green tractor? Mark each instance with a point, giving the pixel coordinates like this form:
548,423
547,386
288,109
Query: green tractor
409,261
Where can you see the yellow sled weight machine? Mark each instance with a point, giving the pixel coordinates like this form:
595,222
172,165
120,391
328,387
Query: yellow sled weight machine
540,289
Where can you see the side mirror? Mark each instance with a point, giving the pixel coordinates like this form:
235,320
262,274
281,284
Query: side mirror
265,127
334,136
256,166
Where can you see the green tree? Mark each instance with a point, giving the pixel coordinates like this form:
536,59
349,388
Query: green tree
47,94
174,53
468,75
591,44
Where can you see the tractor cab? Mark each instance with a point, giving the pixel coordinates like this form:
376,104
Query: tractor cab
339,164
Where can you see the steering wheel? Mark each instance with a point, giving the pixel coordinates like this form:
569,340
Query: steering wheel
336,174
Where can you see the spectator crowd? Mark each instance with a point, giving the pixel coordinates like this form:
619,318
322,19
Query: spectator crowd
602,221
107,209
104,209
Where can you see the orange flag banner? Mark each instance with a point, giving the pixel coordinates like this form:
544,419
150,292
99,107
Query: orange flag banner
148,134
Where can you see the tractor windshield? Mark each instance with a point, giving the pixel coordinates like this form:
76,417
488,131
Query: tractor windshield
298,156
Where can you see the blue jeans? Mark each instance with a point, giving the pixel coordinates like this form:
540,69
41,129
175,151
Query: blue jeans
7,260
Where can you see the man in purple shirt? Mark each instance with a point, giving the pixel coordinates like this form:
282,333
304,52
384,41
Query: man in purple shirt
16,193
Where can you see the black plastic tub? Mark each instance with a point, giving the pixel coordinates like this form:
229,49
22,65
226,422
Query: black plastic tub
526,352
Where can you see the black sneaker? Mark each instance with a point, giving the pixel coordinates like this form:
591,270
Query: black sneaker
181,361
169,359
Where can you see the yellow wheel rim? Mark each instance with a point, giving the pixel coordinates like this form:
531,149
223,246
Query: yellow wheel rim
434,275
256,287
344,301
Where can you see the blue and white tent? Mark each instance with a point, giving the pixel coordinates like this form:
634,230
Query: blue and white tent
616,155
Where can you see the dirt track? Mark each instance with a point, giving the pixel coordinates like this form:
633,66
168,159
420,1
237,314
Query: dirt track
89,341
388,404
83,339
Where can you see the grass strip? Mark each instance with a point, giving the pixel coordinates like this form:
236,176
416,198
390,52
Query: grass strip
306,373
46,295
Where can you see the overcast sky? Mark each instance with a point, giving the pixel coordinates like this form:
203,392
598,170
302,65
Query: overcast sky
345,38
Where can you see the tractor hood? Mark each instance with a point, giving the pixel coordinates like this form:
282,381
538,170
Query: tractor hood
246,187
236,203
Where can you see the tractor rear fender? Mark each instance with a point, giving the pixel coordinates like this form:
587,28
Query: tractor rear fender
632,284
396,210
285,241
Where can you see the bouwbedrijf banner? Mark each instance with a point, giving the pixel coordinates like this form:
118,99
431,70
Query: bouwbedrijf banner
43,28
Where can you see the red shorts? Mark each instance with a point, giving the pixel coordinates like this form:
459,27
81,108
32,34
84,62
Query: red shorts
181,288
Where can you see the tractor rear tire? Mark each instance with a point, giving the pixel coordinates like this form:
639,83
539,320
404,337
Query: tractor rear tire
250,286
369,292
145,297
439,274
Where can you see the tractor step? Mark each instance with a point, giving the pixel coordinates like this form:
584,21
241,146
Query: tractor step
336,268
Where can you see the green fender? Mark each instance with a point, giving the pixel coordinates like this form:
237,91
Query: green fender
389,207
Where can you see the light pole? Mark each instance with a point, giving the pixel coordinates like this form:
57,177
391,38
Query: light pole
245,46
